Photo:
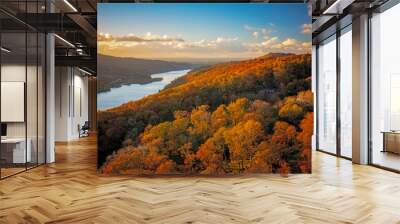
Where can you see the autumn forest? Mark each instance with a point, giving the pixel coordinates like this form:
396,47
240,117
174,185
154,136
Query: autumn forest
250,116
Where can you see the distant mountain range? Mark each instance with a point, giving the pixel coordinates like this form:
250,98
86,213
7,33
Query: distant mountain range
116,71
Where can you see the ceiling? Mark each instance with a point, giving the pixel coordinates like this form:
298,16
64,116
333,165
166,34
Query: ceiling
328,16
74,22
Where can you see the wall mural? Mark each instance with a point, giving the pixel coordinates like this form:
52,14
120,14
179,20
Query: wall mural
207,89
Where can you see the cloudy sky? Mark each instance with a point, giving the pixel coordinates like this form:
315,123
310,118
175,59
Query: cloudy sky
202,31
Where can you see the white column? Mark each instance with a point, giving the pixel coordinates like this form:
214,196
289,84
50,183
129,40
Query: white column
360,90
62,103
50,98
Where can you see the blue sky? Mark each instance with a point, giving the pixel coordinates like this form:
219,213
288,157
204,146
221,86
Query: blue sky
229,28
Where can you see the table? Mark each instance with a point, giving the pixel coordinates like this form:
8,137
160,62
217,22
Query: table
391,141
13,150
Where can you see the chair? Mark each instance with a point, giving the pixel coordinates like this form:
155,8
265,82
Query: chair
84,130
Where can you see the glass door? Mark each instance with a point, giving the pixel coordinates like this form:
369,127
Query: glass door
327,96
345,92
385,89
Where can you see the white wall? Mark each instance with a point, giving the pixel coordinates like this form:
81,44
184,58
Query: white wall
12,73
62,81
71,102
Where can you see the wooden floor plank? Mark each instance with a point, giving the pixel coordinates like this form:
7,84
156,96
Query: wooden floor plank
72,191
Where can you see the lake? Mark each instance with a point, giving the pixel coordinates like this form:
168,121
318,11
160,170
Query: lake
126,93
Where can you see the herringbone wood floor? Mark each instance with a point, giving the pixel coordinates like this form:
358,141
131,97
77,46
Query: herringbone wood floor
71,191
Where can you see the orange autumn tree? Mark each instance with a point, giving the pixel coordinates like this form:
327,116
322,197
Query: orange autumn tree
211,153
262,160
166,167
304,137
283,142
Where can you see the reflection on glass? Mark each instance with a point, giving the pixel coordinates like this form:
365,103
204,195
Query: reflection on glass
327,95
346,93
394,102
385,84
31,99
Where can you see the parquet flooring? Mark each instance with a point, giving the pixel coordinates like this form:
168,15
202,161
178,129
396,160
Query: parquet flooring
71,191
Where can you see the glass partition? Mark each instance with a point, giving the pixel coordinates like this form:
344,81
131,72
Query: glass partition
22,78
327,95
14,153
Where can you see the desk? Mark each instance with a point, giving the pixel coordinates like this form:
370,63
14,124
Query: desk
13,150
391,141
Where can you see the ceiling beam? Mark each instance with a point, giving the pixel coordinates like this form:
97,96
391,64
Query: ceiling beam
85,26
77,61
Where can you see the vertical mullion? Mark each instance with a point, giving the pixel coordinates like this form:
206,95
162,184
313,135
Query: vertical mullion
60,88
45,95
37,90
338,73
317,96
45,87
369,100
69,93
26,86
73,92
80,102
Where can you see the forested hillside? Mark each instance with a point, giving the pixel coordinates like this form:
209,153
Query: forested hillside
247,116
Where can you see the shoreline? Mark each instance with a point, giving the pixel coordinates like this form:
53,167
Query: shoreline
127,84
155,78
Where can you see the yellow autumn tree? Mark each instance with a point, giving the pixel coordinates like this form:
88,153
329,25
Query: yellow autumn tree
238,109
201,122
242,140
305,99
220,118
291,111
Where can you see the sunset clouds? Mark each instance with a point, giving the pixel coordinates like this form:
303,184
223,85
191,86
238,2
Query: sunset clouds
148,37
211,35
306,28
163,46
